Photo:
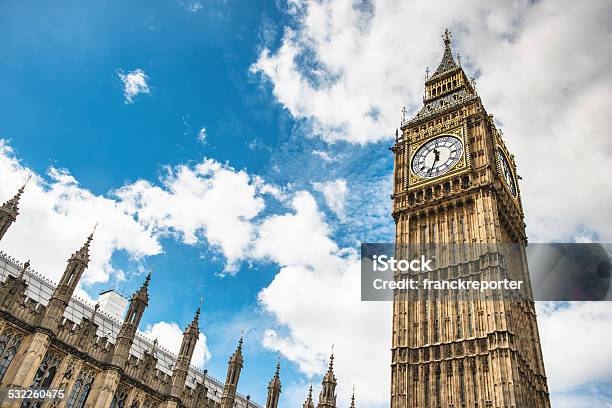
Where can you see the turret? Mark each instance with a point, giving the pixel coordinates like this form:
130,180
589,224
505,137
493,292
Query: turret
274,389
9,211
181,368
233,375
327,397
309,403
12,290
64,290
125,338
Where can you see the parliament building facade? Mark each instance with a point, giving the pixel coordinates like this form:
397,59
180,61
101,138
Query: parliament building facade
52,340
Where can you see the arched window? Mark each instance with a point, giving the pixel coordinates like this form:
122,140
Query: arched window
119,399
149,404
80,390
9,343
43,378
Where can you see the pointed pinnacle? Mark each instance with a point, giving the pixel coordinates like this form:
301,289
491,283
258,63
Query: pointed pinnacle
143,292
12,203
26,265
195,322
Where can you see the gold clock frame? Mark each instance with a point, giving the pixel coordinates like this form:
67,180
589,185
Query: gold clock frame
461,166
502,149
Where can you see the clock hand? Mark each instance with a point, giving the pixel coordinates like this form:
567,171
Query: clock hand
432,166
437,157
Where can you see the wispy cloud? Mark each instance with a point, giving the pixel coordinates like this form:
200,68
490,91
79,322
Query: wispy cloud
335,193
134,83
202,135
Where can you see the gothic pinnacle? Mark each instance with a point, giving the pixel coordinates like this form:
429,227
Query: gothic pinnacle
237,356
194,325
143,292
309,403
11,205
83,253
23,270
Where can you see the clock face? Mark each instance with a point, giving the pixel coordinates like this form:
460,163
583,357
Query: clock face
506,172
436,157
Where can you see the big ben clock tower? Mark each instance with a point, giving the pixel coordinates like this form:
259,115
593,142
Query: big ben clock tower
455,184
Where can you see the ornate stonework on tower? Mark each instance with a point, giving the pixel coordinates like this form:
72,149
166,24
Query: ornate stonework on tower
327,397
274,389
455,183
234,367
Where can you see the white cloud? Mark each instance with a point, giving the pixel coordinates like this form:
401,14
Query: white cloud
134,83
170,335
208,200
542,67
202,134
56,215
315,300
324,155
192,6
335,193
575,340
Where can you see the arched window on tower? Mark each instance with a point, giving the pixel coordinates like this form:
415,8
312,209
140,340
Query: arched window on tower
9,343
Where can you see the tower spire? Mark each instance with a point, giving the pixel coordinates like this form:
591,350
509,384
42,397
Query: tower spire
181,368
309,403
327,396
10,209
448,62
353,398
77,263
125,338
234,367
274,388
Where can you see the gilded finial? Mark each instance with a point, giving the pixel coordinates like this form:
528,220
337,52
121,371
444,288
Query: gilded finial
447,37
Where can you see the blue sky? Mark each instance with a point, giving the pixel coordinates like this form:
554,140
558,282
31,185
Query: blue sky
63,106
298,103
